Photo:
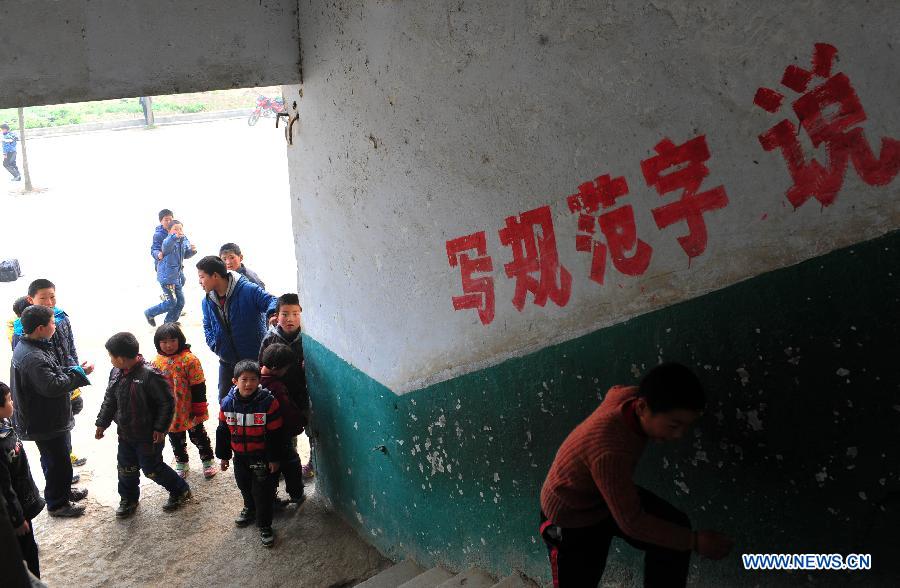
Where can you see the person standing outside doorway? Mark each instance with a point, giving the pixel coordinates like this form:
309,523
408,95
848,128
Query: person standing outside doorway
170,274
10,139
235,311
166,217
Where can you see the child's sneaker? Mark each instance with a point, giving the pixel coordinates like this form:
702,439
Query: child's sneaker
298,499
245,517
126,509
209,468
176,500
267,536
77,462
308,472
182,468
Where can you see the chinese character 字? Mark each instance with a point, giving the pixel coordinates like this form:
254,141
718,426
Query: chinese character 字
478,293
617,227
535,264
829,113
686,162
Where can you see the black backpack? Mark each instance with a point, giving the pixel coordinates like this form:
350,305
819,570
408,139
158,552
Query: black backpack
10,270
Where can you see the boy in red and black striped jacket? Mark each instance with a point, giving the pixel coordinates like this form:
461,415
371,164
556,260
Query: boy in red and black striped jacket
250,427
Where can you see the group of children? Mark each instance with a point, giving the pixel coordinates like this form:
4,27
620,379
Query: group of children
260,417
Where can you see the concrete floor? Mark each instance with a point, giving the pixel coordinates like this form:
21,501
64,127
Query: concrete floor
90,234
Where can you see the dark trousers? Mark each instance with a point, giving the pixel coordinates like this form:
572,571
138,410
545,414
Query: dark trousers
172,304
30,550
226,374
578,555
9,162
292,469
199,438
57,466
135,457
257,487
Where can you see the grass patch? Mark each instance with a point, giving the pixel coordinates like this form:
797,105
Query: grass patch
130,109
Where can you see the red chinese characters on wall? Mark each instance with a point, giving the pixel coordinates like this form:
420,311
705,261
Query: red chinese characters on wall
687,169
616,226
606,228
829,111
478,293
535,264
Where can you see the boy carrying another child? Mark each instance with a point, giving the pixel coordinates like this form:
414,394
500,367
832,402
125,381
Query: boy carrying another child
250,430
141,403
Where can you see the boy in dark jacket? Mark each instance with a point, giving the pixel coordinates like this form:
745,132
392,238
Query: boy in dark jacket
170,274
231,255
41,389
139,399
277,360
234,316
43,292
250,429
23,501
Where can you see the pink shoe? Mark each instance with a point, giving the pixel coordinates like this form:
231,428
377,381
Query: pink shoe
181,469
308,472
209,469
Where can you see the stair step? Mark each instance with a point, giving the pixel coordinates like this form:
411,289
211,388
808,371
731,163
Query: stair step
515,581
394,576
428,579
471,578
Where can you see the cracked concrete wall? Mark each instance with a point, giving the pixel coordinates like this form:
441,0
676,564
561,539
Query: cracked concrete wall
423,122
77,50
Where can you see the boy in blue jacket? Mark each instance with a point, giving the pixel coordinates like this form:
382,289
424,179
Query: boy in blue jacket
235,311
170,274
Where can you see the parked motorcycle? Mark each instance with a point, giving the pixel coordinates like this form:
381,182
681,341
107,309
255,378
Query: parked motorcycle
267,108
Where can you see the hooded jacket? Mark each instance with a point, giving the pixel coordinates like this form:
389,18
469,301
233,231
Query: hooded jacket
23,500
235,330
41,391
139,400
295,378
170,269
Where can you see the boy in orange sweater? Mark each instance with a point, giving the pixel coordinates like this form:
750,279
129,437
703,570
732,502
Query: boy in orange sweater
589,495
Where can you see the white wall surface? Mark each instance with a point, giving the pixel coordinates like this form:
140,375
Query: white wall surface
422,122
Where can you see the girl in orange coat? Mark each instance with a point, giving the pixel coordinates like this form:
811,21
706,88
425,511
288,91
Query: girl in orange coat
184,373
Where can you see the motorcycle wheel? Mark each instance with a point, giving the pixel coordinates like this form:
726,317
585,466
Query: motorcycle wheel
254,116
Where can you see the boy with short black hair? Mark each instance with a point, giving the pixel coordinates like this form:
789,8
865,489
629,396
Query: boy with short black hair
250,430
17,487
276,362
43,292
41,389
287,330
140,401
234,261
589,495
235,311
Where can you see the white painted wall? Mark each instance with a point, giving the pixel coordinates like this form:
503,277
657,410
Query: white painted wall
56,51
422,122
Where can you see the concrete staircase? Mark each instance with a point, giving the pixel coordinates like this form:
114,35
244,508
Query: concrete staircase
409,574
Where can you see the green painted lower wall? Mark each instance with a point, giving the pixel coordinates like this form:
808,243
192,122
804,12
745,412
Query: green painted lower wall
797,453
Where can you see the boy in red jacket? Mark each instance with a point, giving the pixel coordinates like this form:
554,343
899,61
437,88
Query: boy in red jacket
250,430
589,495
